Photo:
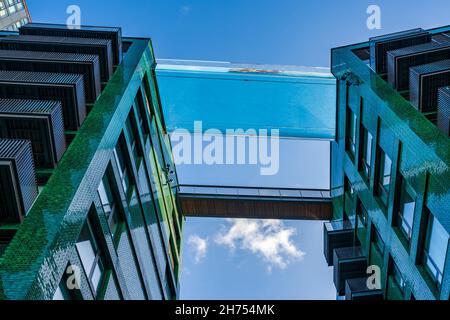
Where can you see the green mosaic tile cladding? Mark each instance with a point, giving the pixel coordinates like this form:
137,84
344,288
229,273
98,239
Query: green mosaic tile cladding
420,156
141,257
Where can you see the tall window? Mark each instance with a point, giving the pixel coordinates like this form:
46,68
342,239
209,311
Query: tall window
384,177
362,215
120,155
90,257
131,128
435,249
366,152
348,187
377,240
351,132
141,106
397,284
108,204
407,205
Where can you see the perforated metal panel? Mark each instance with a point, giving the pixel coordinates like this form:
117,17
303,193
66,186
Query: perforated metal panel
110,33
41,122
86,65
379,46
17,179
425,80
100,47
400,60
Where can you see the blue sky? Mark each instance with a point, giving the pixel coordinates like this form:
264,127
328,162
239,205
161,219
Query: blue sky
251,259
295,32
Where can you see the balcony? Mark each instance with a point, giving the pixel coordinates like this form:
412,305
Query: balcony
356,289
349,263
17,180
337,234
41,122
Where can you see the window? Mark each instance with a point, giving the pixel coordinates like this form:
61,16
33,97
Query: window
12,10
351,132
377,240
362,215
397,279
108,203
90,257
366,152
120,156
407,205
131,128
435,249
348,187
384,177
143,123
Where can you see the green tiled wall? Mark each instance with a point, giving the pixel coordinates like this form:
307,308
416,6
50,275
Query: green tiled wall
35,261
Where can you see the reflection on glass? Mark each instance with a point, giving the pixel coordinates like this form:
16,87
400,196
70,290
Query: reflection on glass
58,294
398,279
367,153
97,274
90,256
384,182
352,122
86,250
119,156
106,197
435,249
406,213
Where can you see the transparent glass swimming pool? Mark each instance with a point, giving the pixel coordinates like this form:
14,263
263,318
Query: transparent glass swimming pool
298,101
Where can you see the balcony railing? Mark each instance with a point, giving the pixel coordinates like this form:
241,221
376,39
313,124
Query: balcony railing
234,192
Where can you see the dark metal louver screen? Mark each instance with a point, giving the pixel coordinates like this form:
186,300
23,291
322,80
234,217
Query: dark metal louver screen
87,65
100,47
425,80
379,46
399,61
66,88
41,122
17,179
109,33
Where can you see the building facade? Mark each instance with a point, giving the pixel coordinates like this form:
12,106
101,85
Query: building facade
13,14
390,168
98,214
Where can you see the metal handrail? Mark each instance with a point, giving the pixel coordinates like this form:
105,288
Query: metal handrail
265,192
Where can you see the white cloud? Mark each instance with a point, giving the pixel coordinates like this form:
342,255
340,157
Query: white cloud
199,246
269,239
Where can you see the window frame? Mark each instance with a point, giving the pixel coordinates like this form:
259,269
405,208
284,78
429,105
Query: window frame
98,260
425,255
351,135
365,154
381,192
405,191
